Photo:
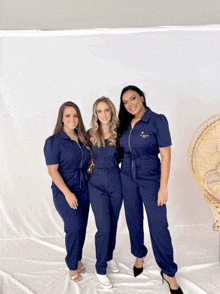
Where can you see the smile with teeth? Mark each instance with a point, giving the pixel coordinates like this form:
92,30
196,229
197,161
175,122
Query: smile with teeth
133,108
72,124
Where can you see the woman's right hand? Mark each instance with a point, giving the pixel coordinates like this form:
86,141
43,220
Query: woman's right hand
72,200
59,182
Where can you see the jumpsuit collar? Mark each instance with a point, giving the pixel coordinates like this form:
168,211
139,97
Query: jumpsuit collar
146,116
82,173
64,135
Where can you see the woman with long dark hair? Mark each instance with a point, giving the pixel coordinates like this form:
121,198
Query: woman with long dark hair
104,186
143,135
67,153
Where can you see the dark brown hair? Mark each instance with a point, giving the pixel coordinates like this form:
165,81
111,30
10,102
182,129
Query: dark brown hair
124,116
83,137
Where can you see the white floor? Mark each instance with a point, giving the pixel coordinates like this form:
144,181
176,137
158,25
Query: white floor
36,265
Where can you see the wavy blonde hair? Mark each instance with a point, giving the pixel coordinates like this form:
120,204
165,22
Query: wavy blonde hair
97,137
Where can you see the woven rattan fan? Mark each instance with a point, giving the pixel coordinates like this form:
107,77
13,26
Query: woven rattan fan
204,163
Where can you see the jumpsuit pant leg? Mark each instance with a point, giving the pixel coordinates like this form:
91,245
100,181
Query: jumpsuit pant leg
115,203
158,226
75,222
106,206
134,215
84,203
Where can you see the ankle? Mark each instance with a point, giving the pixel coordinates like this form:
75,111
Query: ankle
172,281
139,262
73,273
80,263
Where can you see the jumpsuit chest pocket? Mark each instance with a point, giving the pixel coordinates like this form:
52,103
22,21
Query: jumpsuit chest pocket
143,143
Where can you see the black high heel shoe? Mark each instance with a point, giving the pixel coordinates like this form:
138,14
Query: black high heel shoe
178,291
138,270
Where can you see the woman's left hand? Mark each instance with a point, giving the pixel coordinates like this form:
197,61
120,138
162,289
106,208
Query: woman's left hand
162,197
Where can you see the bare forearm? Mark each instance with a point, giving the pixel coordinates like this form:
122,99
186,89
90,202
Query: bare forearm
59,182
165,172
165,166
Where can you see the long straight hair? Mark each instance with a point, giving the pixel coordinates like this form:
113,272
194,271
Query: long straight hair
83,137
124,116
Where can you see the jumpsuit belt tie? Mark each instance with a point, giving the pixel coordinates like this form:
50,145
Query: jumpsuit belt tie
82,176
135,162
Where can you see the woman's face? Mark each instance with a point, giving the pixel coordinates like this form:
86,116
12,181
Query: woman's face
70,119
103,113
133,102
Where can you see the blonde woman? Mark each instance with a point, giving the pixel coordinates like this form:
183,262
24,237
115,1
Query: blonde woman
104,186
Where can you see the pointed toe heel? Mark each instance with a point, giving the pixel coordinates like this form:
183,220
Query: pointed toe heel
137,271
178,291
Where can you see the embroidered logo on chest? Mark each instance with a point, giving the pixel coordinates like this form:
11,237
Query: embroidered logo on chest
142,134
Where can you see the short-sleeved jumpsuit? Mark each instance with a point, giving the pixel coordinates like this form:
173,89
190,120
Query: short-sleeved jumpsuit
106,200
73,159
140,179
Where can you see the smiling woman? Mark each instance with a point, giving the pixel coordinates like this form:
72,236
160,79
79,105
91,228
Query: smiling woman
67,155
104,123
104,186
144,179
104,114
134,104
70,121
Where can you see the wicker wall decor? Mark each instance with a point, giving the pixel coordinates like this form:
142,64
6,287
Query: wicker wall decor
204,163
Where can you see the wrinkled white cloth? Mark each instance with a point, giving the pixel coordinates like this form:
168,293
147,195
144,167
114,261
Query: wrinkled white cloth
179,70
32,265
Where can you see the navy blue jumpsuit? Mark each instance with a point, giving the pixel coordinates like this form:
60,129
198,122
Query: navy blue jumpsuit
140,179
73,159
106,200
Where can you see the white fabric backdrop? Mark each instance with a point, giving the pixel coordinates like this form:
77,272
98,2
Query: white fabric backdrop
179,70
